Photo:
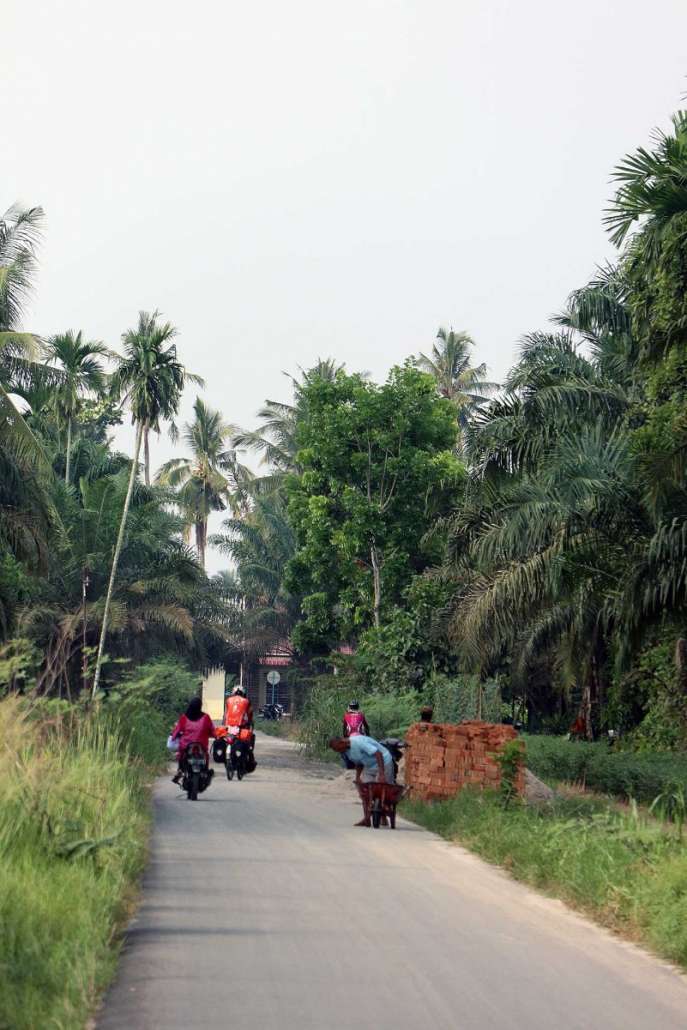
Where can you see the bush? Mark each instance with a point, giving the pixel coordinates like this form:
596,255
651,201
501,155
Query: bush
143,708
625,774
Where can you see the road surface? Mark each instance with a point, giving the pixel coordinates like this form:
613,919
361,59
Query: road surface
264,909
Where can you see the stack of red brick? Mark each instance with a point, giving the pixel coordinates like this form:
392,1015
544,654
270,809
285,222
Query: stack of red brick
441,759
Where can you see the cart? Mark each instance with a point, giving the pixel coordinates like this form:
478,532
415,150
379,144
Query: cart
381,798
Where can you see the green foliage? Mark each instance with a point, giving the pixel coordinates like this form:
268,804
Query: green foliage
376,468
459,698
144,706
510,759
624,774
671,805
620,867
73,829
410,646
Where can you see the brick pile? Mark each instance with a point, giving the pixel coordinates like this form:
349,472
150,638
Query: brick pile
441,759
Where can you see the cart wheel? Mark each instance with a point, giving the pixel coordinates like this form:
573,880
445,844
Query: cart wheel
376,813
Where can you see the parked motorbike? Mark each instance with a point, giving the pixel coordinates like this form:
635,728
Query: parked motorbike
395,747
273,711
196,773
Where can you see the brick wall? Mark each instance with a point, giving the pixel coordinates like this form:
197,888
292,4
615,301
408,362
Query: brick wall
441,759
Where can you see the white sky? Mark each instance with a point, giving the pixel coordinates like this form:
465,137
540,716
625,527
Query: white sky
293,180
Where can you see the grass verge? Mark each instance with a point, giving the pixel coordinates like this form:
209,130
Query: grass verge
73,831
284,728
622,868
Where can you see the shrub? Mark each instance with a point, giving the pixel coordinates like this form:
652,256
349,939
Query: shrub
625,774
144,707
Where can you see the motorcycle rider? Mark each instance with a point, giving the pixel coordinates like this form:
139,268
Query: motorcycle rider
238,716
238,712
354,721
194,727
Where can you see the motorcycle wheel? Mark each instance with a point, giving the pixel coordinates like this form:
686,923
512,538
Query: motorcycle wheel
193,786
230,771
376,813
239,770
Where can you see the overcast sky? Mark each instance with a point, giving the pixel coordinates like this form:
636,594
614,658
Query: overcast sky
292,180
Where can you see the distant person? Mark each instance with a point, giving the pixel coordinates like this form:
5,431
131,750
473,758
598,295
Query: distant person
372,763
354,721
194,727
426,713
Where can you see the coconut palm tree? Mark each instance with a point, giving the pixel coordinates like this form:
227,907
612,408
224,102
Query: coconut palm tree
449,363
211,478
20,233
83,374
150,379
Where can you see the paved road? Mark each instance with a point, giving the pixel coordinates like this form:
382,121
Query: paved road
264,908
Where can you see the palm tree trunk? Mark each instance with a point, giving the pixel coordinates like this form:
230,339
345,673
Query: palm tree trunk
68,464
115,560
146,454
201,537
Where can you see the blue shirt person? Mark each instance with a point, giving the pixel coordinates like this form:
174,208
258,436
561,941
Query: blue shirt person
372,763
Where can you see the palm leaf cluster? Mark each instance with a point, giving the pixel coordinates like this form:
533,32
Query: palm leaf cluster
570,545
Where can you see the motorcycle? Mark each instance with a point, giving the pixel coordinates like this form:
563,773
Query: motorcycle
272,711
239,758
395,747
196,773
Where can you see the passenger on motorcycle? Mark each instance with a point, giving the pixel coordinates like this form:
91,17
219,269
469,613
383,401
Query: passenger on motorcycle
193,727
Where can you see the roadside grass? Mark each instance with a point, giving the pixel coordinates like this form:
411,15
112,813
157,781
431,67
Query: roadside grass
622,868
284,728
73,831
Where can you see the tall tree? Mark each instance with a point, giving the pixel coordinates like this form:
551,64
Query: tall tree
211,477
83,374
376,464
151,379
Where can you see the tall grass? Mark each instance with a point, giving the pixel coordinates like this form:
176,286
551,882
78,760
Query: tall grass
73,822
627,871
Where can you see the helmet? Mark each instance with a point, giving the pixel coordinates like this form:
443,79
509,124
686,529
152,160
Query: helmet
238,689
353,706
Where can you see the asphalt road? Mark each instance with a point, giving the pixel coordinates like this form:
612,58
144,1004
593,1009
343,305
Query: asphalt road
264,908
